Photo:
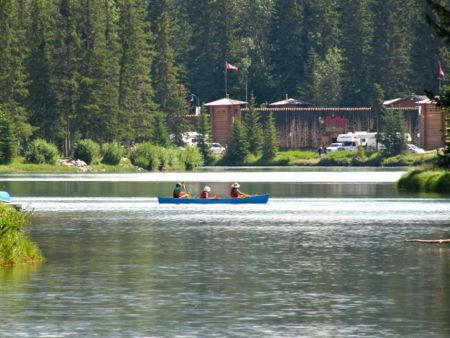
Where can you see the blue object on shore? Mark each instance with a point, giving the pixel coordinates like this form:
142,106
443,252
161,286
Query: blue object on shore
252,199
5,197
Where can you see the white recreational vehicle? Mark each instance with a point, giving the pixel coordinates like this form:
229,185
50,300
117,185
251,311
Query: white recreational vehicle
368,140
349,141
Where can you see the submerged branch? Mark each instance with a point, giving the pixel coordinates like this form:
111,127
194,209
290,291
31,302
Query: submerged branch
439,241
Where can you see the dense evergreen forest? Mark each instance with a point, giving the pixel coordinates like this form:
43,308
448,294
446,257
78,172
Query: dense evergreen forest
107,69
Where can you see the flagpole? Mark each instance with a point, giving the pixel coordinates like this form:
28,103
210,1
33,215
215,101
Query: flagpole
440,79
226,85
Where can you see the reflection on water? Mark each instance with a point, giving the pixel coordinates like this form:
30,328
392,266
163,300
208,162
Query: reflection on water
152,189
321,259
295,267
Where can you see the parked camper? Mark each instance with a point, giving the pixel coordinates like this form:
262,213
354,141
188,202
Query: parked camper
349,141
368,140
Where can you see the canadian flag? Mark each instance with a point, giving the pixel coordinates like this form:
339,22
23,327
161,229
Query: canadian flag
230,66
441,73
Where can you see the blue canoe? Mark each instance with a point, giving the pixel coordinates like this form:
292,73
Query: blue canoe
252,199
5,197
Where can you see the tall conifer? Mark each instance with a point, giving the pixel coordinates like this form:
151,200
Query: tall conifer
238,148
65,72
271,142
7,139
253,127
287,52
356,45
160,134
98,104
391,44
135,89
169,92
214,40
13,77
41,100
204,138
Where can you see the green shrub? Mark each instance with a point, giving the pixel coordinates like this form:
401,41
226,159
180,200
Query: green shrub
39,152
395,161
112,153
87,151
292,156
375,159
169,158
408,159
7,139
359,159
337,158
443,183
147,156
191,158
425,180
15,247
410,181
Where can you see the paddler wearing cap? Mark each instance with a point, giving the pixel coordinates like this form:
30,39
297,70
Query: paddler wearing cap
206,192
180,191
235,192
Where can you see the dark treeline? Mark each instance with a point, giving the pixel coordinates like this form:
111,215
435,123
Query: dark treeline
103,69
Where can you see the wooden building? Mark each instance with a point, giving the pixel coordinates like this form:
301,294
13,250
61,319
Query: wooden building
306,127
431,129
223,113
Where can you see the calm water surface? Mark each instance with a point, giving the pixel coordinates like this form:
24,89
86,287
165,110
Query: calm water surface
323,259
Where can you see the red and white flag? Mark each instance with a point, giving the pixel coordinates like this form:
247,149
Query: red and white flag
441,73
230,66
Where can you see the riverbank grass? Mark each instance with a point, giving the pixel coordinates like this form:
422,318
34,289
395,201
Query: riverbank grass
15,246
20,166
426,180
361,158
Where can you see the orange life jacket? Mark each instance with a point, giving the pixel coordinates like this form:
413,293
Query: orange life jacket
204,194
235,193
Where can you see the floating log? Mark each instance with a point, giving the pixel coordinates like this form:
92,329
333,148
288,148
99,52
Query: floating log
436,241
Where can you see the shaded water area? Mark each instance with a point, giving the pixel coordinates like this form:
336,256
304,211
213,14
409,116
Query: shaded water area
325,258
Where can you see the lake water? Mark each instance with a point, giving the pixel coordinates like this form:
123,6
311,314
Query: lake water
325,258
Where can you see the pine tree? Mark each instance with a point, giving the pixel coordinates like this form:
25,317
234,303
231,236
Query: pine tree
41,100
214,40
256,17
287,56
135,90
65,75
7,139
204,138
356,44
97,108
391,46
168,91
393,137
160,134
270,148
377,108
309,88
440,24
253,128
238,149
425,52
328,78
321,25
13,51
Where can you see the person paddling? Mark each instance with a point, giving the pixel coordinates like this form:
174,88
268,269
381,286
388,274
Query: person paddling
235,192
206,193
180,191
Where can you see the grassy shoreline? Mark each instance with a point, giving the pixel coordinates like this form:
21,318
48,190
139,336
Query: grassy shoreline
283,158
15,246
